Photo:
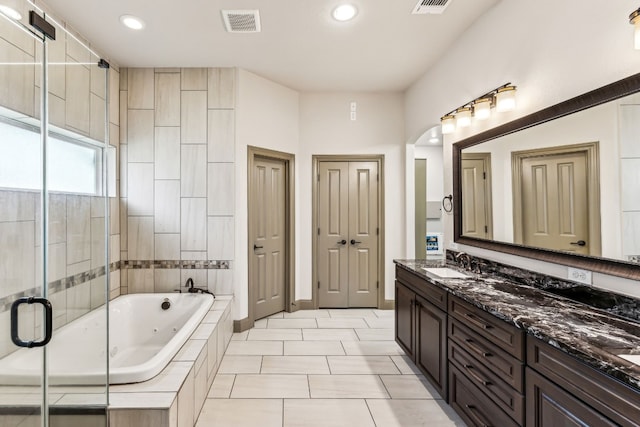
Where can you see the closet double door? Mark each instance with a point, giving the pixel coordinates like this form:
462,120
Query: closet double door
348,200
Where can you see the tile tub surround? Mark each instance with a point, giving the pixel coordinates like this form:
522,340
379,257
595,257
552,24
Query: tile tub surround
297,373
590,335
175,397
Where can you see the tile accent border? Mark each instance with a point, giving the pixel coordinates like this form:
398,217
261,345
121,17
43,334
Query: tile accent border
176,264
86,276
61,284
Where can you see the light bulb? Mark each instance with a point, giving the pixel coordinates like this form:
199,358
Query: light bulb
448,123
482,108
506,99
463,117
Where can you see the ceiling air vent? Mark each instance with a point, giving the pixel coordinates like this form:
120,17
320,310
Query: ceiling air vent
241,21
430,6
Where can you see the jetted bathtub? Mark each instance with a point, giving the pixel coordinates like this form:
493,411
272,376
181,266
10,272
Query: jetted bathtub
143,338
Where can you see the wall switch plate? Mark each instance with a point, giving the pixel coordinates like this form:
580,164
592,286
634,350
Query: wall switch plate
353,115
578,275
353,106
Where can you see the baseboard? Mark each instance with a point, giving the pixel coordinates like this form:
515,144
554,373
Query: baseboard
305,304
388,304
242,324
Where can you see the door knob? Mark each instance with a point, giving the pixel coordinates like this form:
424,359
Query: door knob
342,242
579,243
257,247
354,242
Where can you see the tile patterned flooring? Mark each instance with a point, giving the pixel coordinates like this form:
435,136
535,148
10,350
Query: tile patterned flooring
324,368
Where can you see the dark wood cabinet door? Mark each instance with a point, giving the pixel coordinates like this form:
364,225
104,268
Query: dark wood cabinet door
549,405
431,344
405,319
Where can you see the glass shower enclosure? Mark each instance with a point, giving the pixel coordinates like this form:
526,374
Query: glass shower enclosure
54,219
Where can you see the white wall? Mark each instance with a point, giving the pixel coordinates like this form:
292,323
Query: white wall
326,128
552,51
267,117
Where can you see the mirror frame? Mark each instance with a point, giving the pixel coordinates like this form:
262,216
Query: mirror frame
611,92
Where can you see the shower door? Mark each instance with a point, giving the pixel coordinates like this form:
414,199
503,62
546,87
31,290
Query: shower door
54,264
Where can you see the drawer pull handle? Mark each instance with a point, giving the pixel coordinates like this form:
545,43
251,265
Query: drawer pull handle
474,319
470,370
476,349
473,411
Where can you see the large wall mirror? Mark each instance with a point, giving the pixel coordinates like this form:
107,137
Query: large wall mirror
560,185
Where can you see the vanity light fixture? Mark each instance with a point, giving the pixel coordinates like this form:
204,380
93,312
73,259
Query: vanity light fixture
463,117
634,19
503,98
344,12
448,124
132,22
10,12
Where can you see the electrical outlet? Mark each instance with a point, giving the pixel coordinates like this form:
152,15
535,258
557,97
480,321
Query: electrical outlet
578,275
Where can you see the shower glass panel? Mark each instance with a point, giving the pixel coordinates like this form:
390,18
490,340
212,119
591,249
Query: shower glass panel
53,225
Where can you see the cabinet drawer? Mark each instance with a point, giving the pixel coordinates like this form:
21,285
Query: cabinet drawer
608,396
432,293
472,405
549,405
507,398
508,337
508,367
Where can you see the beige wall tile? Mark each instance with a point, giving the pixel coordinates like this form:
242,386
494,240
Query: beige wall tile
16,82
123,114
77,97
139,417
194,78
98,81
114,96
193,220
114,215
140,135
221,238
167,153
193,117
124,156
78,229
17,206
167,99
97,115
78,301
221,136
140,281
124,224
221,189
97,242
57,261
193,171
76,50
222,88
220,282
167,246
166,279
140,88
15,36
140,238
17,251
167,207
98,292
140,189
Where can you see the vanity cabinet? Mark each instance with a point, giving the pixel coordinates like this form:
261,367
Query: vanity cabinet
486,357
421,326
563,391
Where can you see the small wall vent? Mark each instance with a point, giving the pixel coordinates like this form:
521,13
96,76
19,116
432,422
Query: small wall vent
430,6
241,21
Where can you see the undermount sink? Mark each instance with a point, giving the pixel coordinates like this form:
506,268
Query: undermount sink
633,358
444,273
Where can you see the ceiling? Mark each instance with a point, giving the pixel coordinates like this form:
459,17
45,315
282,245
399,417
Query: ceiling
385,48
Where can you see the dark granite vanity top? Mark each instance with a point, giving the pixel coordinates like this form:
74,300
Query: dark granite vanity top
589,334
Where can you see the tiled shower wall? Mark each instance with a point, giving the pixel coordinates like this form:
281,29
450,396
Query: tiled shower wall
177,178
76,242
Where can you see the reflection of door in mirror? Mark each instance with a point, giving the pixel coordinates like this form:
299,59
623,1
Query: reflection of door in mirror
476,192
421,207
553,202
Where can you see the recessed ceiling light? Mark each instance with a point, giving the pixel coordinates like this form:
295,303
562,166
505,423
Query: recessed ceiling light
11,13
344,12
132,22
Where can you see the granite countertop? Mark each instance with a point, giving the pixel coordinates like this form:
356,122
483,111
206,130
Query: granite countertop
589,334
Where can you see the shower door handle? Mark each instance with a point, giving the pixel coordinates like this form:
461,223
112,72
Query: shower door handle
48,322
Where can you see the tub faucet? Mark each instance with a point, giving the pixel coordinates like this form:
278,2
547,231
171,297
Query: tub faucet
195,290
189,284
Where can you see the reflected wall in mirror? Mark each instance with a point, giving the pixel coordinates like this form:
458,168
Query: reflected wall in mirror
566,183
